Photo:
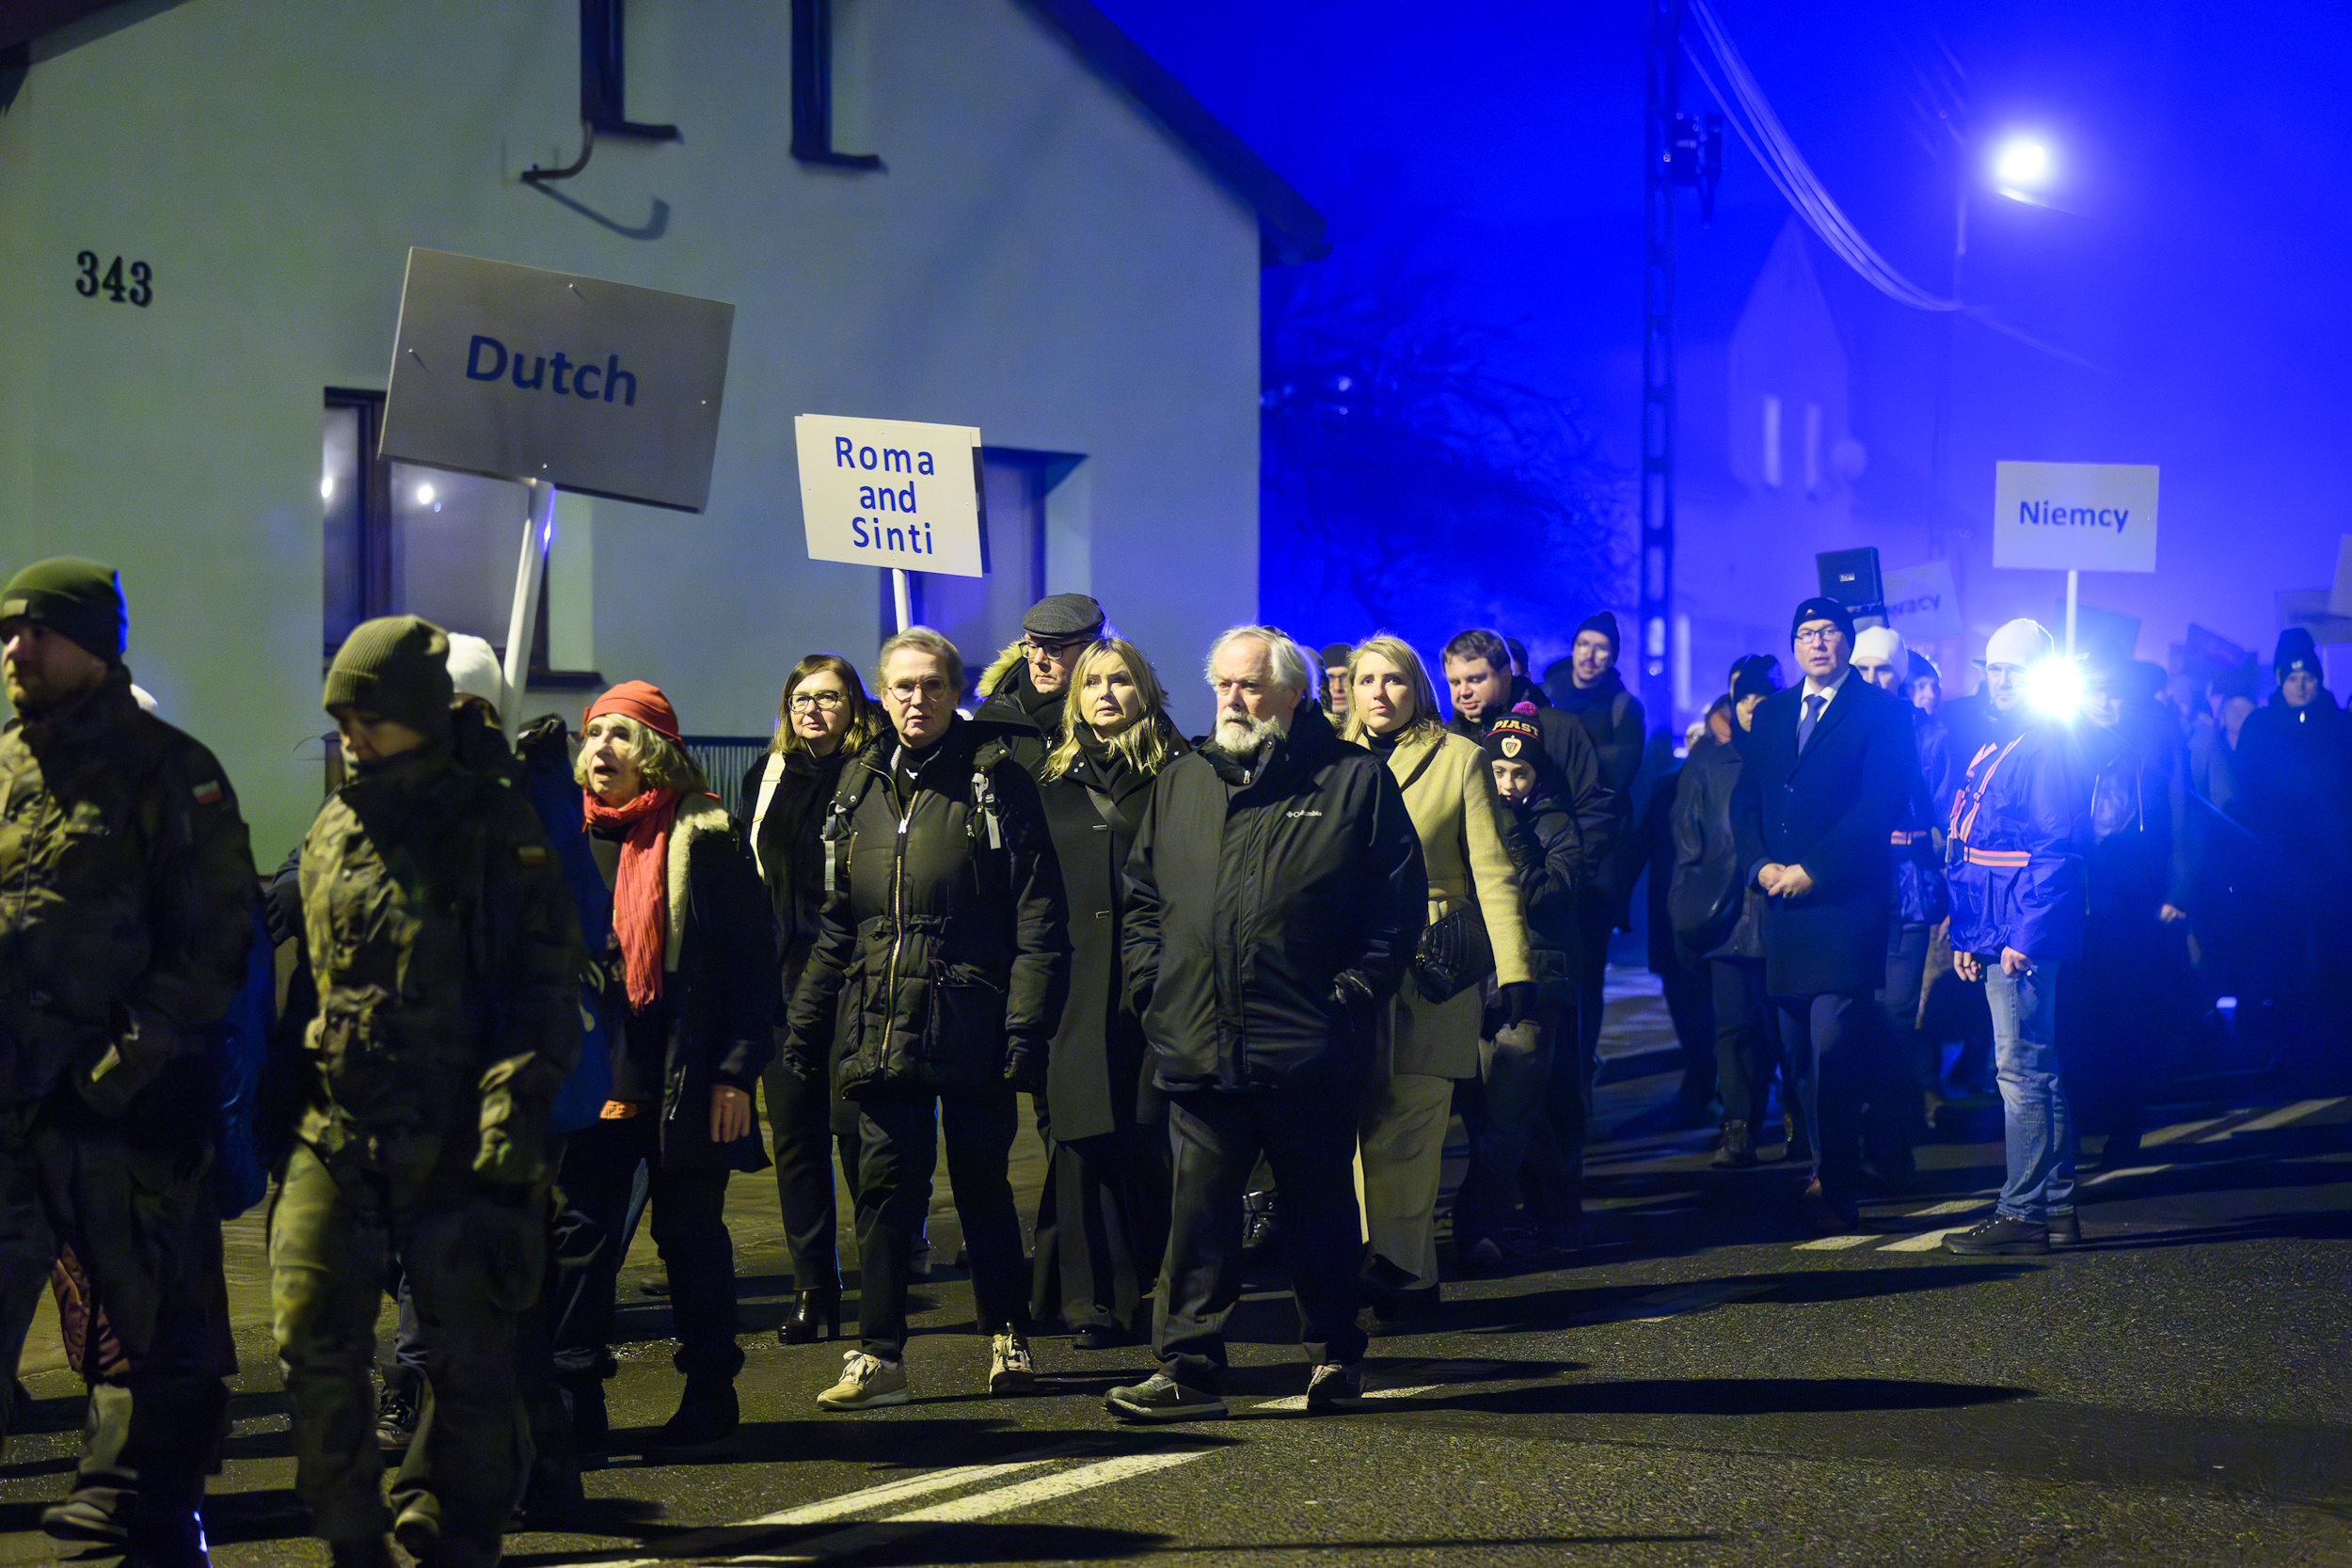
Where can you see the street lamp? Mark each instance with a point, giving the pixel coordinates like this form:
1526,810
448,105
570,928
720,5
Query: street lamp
2021,170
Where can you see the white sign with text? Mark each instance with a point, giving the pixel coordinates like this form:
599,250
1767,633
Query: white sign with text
1921,602
2074,516
892,493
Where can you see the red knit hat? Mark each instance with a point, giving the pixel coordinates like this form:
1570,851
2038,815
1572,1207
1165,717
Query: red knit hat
641,700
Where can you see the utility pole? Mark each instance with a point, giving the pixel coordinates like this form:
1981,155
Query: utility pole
1679,149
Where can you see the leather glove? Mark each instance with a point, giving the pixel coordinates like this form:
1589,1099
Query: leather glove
1519,1003
1024,1068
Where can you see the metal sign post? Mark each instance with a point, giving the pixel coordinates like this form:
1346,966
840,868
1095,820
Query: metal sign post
901,597
522,621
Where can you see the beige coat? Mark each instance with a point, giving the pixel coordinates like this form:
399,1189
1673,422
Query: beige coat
1460,819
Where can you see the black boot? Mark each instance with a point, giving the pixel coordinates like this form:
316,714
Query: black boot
592,1432
704,1425
1738,1151
812,1307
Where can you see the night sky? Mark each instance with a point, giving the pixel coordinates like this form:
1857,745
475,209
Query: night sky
2198,264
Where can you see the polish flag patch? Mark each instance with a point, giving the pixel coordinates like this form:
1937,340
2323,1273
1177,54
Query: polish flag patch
208,793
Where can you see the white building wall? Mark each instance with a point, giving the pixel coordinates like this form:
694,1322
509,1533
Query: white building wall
1039,259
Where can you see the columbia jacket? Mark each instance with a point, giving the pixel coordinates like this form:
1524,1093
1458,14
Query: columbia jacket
1272,904
943,955
2014,854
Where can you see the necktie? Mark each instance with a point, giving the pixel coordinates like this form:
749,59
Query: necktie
1813,707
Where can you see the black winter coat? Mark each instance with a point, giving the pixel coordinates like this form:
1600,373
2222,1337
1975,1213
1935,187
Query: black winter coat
1547,847
1575,779
790,853
1715,912
1029,723
943,956
719,987
1833,811
2293,770
1272,907
1096,1072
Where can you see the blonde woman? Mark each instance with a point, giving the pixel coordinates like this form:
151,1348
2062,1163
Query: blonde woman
1110,1124
1450,793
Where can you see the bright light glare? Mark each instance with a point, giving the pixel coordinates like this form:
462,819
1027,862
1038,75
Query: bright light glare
424,495
2023,165
326,488
2055,688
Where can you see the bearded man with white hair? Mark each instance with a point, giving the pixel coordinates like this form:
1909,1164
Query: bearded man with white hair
1275,894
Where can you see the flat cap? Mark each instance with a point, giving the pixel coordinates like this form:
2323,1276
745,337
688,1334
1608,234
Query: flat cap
1062,616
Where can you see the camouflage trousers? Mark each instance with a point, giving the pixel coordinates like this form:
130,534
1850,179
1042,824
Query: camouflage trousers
474,1264
136,1213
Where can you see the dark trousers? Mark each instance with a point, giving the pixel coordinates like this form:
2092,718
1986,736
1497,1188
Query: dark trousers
899,1134
1309,1136
1512,1147
1568,1092
1689,1004
1897,1059
690,1229
1830,1037
1114,1201
1589,972
800,1119
1747,1038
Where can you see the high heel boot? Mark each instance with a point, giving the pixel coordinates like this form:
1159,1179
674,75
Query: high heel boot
821,1304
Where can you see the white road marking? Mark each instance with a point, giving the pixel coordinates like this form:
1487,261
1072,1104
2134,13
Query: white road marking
891,1493
2127,1170
2183,1130
1298,1401
1952,1205
1004,1500
1927,1240
2276,1119
1835,1243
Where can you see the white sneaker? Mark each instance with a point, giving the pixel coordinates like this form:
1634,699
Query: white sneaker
866,1383
1012,1370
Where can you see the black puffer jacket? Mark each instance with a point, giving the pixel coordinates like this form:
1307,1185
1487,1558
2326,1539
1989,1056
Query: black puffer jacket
943,953
1712,915
1270,907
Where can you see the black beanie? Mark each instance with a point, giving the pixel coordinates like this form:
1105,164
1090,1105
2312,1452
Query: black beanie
397,666
1603,623
79,600
1757,676
1517,736
1822,610
2297,651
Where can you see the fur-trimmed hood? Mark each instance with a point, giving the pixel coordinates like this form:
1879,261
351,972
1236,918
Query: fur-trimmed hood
697,815
1006,663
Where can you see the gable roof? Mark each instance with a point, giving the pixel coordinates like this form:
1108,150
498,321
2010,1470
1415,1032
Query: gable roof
1289,231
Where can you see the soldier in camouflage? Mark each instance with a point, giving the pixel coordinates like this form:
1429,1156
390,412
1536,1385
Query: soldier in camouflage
446,959
126,891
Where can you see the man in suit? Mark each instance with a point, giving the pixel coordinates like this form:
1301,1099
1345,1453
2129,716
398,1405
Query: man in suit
1828,768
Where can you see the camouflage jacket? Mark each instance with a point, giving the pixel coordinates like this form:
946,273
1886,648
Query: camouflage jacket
126,899
446,960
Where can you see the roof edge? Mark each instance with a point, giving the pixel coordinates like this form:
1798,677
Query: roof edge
1290,231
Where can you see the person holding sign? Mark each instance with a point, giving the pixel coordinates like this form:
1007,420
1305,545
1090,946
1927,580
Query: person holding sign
931,996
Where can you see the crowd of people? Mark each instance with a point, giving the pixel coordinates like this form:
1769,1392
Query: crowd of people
542,986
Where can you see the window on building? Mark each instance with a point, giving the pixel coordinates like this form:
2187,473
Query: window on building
979,615
401,539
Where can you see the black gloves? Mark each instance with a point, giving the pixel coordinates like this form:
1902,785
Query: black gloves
1024,1068
1519,1003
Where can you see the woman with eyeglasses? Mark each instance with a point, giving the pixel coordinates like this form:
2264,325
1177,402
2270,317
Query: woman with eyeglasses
931,995
1110,1123
822,719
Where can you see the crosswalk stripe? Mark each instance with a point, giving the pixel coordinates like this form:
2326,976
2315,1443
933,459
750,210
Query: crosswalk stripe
1927,1240
1298,1401
2127,1170
1952,1205
1835,1244
2276,1119
1004,1500
2183,1130
893,1492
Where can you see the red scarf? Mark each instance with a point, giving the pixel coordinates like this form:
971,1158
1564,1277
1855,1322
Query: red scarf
641,889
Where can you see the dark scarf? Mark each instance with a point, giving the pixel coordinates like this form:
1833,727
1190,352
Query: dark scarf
1578,699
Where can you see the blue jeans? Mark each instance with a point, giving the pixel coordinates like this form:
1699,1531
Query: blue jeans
2038,1129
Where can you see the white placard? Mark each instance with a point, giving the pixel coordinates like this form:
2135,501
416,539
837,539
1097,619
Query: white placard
892,493
588,386
2074,516
1921,602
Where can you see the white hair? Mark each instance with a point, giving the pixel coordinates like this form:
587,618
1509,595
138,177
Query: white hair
1284,657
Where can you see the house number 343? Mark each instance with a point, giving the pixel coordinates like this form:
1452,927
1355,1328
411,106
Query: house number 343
137,288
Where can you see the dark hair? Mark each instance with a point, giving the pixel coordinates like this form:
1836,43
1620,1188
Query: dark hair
1518,651
862,717
1478,642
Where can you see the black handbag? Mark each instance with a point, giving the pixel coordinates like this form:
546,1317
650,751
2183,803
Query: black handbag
1454,953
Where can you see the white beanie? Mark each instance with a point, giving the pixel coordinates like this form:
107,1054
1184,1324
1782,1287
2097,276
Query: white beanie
2021,641
1883,646
474,671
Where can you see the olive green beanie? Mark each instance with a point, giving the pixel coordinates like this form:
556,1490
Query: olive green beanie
396,667
79,600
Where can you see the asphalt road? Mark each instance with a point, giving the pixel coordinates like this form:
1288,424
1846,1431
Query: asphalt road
1699,1387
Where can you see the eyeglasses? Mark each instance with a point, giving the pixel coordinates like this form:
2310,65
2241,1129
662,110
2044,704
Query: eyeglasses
1052,647
930,685
1817,636
827,701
